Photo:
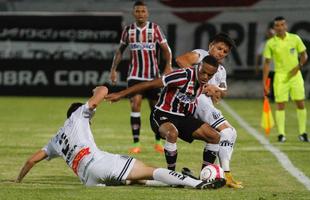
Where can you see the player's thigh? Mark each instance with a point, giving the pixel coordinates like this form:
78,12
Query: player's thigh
207,133
281,88
140,171
297,87
209,114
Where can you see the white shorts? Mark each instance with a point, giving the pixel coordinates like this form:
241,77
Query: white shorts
109,169
206,112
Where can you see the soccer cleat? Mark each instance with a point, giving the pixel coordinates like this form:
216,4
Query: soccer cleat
281,138
303,137
159,147
230,182
136,148
214,184
188,172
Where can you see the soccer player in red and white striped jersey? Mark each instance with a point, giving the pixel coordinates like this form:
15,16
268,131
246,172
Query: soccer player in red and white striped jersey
142,38
173,113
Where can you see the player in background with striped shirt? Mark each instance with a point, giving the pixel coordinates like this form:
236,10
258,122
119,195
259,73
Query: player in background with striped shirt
74,142
173,113
219,47
142,37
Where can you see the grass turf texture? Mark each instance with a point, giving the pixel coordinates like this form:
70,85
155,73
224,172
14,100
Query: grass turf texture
26,125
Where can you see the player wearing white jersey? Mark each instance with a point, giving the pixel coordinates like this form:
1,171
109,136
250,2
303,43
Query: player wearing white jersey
74,142
219,47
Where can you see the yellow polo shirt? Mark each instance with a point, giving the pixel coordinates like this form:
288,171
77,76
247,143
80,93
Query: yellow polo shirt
284,52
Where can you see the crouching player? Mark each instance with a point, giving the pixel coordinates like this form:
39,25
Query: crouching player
219,48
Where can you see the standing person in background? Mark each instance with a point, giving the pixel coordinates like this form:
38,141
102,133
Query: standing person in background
259,59
289,56
219,47
142,37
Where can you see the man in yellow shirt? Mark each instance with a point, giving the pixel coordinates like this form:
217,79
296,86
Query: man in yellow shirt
288,53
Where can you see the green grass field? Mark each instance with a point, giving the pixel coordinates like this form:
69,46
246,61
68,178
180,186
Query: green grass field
26,124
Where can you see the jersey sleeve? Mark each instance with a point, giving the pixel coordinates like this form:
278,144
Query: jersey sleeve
300,45
159,36
175,78
83,112
50,150
267,50
202,53
125,36
223,77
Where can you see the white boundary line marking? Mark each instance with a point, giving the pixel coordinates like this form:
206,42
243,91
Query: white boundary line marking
282,157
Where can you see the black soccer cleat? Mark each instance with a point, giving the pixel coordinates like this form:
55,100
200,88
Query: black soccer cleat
189,173
214,184
303,137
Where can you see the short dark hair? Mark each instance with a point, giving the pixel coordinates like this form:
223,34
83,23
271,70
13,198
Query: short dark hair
278,18
73,107
139,3
224,37
211,61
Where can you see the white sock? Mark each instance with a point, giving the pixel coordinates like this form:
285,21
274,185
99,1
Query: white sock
174,178
227,141
155,183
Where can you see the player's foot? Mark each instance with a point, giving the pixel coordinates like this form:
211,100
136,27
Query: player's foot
135,148
281,138
215,184
230,182
159,147
188,172
303,137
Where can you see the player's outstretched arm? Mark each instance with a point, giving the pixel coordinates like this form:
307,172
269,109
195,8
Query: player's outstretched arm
188,59
156,83
33,160
98,96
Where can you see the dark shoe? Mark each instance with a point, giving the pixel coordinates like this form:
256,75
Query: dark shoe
187,172
281,138
215,184
303,137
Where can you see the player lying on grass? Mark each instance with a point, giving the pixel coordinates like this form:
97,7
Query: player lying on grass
74,142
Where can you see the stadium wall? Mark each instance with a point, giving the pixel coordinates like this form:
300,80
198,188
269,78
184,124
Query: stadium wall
187,24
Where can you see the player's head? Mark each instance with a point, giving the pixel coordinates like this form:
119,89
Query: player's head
279,25
221,46
73,107
207,68
140,12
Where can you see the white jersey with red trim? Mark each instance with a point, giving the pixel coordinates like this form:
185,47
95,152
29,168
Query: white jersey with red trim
74,136
142,44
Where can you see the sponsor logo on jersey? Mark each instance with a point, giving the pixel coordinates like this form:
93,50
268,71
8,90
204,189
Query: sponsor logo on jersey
186,97
142,46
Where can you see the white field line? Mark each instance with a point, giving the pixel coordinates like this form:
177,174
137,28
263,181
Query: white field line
281,157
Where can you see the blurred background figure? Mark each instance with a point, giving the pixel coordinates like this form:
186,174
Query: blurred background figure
289,55
259,59
142,37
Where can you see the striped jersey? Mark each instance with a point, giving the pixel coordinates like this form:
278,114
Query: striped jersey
74,137
142,44
180,92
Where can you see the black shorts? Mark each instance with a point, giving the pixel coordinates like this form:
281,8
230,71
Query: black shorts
152,94
186,125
